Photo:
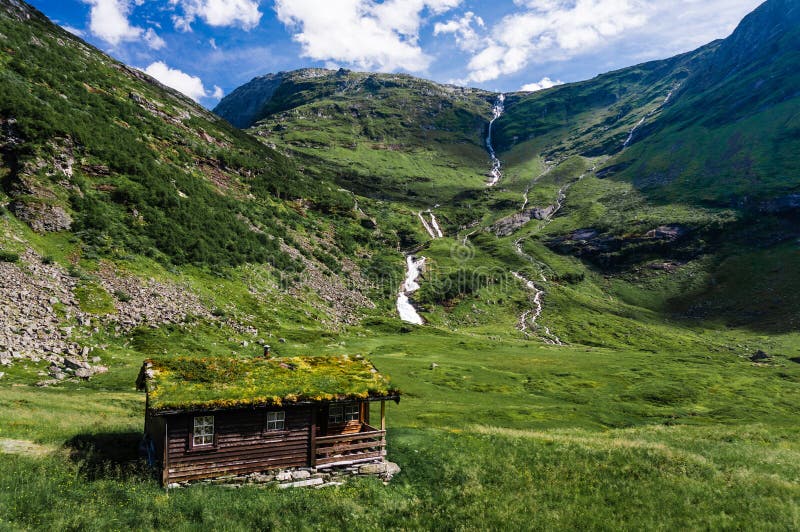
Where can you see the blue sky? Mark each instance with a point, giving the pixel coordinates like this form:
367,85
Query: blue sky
207,48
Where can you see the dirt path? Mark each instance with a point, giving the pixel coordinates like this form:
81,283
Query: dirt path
24,447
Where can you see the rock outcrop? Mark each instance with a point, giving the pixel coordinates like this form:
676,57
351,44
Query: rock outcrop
41,319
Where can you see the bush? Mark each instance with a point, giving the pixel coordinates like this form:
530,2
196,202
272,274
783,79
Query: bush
7,256
122,296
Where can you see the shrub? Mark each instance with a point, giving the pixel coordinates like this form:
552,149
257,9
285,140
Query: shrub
122,296
7,256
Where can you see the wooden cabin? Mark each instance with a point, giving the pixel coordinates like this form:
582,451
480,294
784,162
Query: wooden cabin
211,417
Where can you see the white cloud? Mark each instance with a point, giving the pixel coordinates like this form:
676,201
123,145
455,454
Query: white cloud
551,31
108,20
218,93
365,33
241,13
73,30
548,29
466,37
191,86
153,40
544,83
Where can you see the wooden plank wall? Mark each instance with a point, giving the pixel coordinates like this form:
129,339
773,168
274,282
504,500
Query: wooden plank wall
242,444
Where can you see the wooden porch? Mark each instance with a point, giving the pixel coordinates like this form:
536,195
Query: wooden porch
364,444
367,444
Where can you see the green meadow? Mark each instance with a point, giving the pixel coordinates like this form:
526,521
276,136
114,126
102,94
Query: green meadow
499,434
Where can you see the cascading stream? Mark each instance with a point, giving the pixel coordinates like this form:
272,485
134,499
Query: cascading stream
404,307
495,173
645,117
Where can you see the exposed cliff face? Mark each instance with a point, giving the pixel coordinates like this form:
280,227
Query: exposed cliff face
244,106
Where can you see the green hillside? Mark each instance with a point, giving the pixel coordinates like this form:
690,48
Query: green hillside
385,136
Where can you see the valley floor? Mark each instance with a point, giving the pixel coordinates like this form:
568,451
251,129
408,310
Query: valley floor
500,434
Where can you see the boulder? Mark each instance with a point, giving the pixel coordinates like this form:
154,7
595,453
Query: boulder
391,470
283,476
72,363
83,373
372,469
300,475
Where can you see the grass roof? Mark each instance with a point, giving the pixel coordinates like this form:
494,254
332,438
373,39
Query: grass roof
185,383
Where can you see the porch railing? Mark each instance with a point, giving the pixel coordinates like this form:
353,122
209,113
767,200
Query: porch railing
368,444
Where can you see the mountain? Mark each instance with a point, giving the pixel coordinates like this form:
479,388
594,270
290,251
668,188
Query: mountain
387,136
666,172
734,120
609,334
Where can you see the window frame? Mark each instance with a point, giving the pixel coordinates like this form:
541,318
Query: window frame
356,411
347,412
193,445
268,421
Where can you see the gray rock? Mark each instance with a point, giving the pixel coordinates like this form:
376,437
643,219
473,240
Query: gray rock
391,470
72,363
372,469
302,483
83,373
283,476
42,217
300,475
328,484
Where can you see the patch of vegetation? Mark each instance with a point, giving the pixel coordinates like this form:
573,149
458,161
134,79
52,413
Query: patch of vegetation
94,299
7,256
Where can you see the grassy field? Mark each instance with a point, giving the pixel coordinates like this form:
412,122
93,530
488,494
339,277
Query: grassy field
502,434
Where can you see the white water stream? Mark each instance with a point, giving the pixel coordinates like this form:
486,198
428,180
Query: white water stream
495,173
529,317
404,307
645,117
426,225
435,225
413,269
432,227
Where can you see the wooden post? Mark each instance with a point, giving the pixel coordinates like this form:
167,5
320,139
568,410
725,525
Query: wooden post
383,414
165,461
312,459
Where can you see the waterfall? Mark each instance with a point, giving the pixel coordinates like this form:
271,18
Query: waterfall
497,111
404,307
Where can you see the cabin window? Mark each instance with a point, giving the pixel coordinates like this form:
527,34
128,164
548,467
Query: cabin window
203,431
342,413
276,420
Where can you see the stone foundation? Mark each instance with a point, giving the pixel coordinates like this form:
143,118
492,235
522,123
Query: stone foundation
299,477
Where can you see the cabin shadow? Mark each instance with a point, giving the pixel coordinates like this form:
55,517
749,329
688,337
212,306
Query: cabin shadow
109,455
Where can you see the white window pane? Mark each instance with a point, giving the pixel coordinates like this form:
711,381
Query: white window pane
276,420
203,430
